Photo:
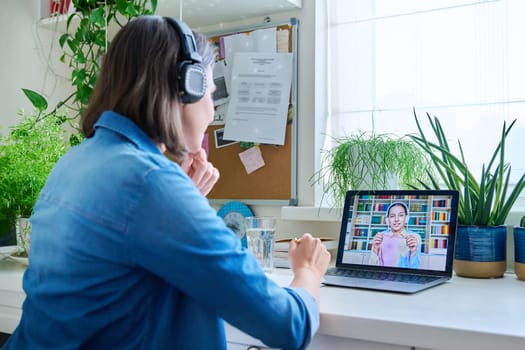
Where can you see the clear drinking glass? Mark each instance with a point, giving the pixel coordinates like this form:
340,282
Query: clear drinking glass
260,232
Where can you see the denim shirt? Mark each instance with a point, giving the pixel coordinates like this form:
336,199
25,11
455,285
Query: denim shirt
127,254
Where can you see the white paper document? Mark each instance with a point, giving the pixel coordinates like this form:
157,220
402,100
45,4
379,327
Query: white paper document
259,98
261,40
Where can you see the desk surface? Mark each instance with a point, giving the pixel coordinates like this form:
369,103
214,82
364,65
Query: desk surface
483,313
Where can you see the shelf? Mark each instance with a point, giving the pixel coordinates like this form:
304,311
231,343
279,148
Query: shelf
204,13
55,22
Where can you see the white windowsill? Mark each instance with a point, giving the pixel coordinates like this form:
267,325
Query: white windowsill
311,214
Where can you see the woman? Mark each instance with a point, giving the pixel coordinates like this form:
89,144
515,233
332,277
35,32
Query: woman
396,247
126,251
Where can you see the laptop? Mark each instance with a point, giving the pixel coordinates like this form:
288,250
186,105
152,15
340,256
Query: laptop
396,240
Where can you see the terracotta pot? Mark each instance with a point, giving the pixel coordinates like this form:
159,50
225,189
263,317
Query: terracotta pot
519,252
480,251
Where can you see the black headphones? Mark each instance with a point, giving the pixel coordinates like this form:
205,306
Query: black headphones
190,74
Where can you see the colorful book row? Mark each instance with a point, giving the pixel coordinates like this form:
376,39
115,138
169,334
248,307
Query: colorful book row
438,243
360,232
442,203
417,220
416,207
359,245
440,229
440,215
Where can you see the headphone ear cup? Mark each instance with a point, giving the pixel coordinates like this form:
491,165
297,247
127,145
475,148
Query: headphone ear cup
191,79
387,221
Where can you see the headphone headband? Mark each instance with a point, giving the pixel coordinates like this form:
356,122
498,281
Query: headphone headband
188,47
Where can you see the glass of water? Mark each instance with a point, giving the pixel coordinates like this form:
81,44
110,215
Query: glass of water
260,232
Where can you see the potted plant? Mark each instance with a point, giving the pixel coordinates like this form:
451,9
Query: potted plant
370,160
519,249
484,203
27,155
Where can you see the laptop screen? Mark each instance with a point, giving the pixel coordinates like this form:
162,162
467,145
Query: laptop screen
405,229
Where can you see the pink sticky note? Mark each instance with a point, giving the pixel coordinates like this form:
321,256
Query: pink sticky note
252,159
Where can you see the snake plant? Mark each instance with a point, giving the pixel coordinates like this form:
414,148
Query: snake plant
483,202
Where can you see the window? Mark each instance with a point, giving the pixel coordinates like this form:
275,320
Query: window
462,61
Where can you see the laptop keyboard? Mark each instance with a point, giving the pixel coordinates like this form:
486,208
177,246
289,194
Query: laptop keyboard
385,276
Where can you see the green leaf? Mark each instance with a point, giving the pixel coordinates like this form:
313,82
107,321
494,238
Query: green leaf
38,101
62,39
80,58
69,19
72,44
98,17
74,140
153,6
132,11
100,38
122,6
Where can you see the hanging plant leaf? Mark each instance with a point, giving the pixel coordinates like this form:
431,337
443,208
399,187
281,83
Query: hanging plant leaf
38,101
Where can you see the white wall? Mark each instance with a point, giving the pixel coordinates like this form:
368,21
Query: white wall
26,47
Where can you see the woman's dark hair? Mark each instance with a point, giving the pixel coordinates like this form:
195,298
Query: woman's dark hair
136,81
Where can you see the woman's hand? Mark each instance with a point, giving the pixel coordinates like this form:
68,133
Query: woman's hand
203,174
308,252
309,261
376,242
412,243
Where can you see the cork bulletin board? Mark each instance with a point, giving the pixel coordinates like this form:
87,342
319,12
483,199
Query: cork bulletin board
276,182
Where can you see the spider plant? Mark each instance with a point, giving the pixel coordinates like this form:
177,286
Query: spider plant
370,160
486,202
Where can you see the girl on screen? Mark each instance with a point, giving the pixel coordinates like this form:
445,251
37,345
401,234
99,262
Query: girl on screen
396,247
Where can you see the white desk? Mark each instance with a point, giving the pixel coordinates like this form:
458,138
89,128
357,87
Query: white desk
11,294
461,314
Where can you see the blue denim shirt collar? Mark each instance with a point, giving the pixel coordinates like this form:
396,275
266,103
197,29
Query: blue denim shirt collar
127,128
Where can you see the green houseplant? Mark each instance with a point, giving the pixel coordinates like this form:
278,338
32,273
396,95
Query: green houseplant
27,155
484,203
370,160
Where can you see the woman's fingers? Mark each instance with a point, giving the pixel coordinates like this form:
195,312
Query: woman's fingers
203,174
